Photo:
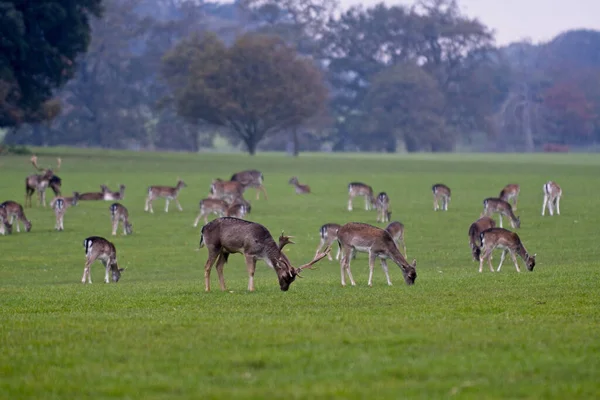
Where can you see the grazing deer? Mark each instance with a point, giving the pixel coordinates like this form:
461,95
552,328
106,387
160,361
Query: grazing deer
14,211
60,205
119,213
360,189
226,190
328,233
382,204
300,188
507,241
378,243
98,248
511,192
493,205
224,236
443,193
113,196
396,229
552,194
251,178
5,226
168,192
211,206
40,182
475,230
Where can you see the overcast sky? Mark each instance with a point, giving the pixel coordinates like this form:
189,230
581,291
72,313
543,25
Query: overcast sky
512,20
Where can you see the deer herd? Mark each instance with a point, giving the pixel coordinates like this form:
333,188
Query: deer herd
230,233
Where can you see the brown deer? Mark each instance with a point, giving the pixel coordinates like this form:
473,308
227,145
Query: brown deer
443,193
5,226
360,189
94,196
226,190
224,236
14,211
251,179
113,196
98,248
493,205
552,194
382,204
511,192
60,205
507,241
211,206
167,192
237,210
328,233
475,230
378,243
300,188
396,229
119,213
40,182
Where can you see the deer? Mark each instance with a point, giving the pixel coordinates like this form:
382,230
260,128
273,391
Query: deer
119,213
360,189
93,196
507,241
237,210
328,234
70,201
98,248
378,243
552,194
251,178
511,192
382,204
113,196
443,193
5,226
493,205
60,205
14,211
396,229
300,188
226,235
168,192
211,206
475,230
226,190
40,182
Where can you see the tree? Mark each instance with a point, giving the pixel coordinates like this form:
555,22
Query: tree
570,114
40,41
258,87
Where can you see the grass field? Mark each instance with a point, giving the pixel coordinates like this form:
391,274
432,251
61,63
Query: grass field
157,335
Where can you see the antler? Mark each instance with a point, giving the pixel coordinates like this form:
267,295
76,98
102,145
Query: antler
315,260
59,162
34,162
283,240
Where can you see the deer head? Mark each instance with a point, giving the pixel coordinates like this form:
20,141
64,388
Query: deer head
288,274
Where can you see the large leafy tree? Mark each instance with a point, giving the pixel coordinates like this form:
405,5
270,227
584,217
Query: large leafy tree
39,43
259,86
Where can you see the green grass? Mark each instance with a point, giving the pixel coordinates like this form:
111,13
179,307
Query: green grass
157,335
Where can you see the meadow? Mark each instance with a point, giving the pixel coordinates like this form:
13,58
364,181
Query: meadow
156,334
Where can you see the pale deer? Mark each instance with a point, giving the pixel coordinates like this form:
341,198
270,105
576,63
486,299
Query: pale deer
396,229
507,241
119,213
552,194
40,182
382,204
237,210
475,230
328,234
360,189
167,192
60,205
114,196
226,190
5,226
251,178
211,206
15,212
511,192
224,236
493,205
443,193
98,248
378,243
300,188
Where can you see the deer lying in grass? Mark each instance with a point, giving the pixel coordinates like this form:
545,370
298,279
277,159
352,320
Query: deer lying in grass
493,205
119,213
15,212
113,196
224,236
94,196
552,194
167,192
41,181
475,230
396,229
443,193
299,188
60,205
360,189
511,192
98,248
251,179
507,241
382,204
328,233
378,243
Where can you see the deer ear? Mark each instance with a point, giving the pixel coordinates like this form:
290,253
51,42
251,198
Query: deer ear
414,262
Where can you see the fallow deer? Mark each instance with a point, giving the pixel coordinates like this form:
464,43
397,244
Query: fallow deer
507,241
92,196
98,248
225,236
511,192
226,190
493,205
60,205
114,196
251,178
328,233
300,188
15,212
475,230
5,226
360,189
382,204
237,210
211,206
552,194
378,243
70,201
396,229
40,182
167,192
443,193
241,201
119,213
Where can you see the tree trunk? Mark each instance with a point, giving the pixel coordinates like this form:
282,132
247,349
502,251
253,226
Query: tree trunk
251,145
296,148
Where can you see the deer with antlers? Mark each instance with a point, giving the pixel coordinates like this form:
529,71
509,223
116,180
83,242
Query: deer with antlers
382,204
507,241
328,233
552,194
511,192
441,193
226,235
475,230
109,195
60,205
396,229
40,182
378,243
360,189
167,192
300,188
119,213
493,205
251,179
14,211
98,248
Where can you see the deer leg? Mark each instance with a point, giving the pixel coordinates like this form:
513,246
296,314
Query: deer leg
544,204
502,259
350,203
167,204
337,256
551,206
372,257
500,217
385,271
107,265
212,257
251,267
62,222
87,272
220,265
558,205
177,203
115,226
435,203
485,253
367,203
514,258
15,221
